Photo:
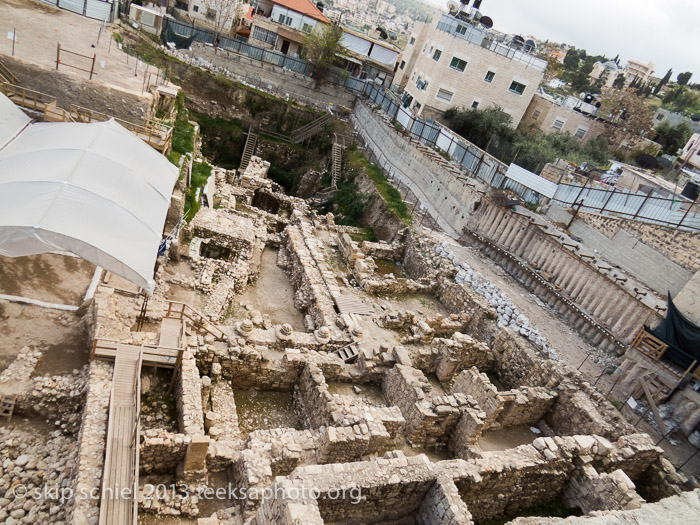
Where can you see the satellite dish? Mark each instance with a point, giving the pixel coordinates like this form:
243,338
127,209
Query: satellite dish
452,6
486,22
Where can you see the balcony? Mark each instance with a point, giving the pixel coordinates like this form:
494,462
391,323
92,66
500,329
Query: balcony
477,36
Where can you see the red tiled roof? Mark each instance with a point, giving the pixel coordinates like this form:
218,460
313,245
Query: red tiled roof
305,7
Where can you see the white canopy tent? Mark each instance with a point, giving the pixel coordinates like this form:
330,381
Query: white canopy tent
92,190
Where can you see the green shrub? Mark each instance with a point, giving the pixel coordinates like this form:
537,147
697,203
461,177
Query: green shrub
200,173
356,161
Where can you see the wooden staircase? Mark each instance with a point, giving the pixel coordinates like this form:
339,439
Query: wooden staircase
312,128
7,76
250,143
338,147
348,353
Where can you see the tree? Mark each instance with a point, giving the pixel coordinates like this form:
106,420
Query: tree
630,112
478,126
571,59
580,82
320,48
619,81
221,14
684,78
673,138
663,82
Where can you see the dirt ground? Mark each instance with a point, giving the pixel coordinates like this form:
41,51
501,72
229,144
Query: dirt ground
51,278
273,295
47,277
39,30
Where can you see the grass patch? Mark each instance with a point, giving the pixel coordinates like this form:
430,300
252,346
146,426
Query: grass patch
200,173
175,157
183,131
364,234
391,196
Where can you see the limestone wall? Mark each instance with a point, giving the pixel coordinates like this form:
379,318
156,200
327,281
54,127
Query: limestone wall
579,408
590,491
659,256
161,451
91,441
188,395
430,419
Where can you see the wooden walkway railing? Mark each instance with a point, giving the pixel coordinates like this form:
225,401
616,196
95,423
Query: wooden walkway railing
156,134
178,310
6,75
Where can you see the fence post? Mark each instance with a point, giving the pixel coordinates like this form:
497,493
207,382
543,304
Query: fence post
607,200
687,212
92,68
58,55
642,206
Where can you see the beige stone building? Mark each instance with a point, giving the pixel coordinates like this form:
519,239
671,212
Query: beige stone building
550,117
455,63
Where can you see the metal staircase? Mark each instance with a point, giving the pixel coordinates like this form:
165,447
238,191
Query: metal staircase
250,143
312,128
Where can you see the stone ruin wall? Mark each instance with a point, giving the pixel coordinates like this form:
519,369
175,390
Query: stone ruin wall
680,246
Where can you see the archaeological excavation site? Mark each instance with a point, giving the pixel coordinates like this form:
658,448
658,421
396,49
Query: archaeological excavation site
235,305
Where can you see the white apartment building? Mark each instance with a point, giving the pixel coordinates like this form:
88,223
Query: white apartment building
456,63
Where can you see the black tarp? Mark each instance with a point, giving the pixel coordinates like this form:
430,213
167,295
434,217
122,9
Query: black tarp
181,42
681,335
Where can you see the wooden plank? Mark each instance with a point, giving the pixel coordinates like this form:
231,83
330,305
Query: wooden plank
348,304
119,469
654,408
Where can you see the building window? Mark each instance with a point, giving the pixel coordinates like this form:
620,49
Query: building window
421,84
461,30
306,28
281,19
517,88
412,41
475,105
489,76
536,114
436,55
402,64
458,64
263,35
659,117
580,133
195,8
559,123
445,95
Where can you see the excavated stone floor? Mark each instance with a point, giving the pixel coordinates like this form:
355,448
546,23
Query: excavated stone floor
325,380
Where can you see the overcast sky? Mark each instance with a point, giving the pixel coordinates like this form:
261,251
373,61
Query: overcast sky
665,32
